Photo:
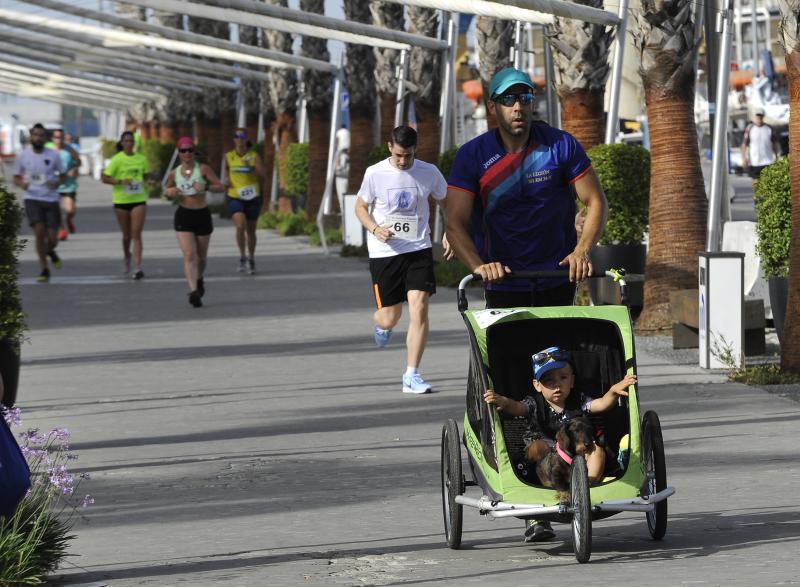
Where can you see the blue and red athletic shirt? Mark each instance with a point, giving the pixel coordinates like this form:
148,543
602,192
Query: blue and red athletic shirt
523,212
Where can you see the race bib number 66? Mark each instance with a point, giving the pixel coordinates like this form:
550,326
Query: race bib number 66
403,227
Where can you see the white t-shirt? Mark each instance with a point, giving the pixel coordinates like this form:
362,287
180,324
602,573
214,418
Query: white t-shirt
37,169
759,141
401,193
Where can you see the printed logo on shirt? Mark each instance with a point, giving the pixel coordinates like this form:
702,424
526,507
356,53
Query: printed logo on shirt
538,176
403,199
493,158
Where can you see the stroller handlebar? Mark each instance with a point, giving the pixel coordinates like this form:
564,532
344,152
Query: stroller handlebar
618,275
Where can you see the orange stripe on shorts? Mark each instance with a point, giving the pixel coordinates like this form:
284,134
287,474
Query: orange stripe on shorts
377,296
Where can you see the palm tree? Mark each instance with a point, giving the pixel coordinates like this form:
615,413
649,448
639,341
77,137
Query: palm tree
319,97
494,39
667,41
283,94
389,16
425,73
360,72
790,39
580,56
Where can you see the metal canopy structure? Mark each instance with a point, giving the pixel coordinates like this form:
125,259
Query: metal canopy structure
168,38
248,12
89,49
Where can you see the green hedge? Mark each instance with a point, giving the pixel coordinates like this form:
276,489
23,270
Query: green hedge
773,197
297,173
377,154
624,173
109,148
12,319
445,162
158,155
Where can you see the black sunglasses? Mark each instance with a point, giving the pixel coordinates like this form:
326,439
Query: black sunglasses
240,135
185,150
547,356
509,100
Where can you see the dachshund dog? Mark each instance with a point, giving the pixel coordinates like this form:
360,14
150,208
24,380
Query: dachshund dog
554,465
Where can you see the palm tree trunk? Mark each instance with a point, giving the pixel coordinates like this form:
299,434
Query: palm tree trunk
494,38
678,207
268,155
425,72
390,16
582,116
166,133
790,347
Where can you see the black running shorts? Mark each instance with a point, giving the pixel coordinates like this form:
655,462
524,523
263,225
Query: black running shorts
393,277
197,221
41,212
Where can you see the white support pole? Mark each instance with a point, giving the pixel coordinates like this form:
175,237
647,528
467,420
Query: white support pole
445,108
612,121
336,113
519,40
754,35
302,110
553,115
273,197
719,162
402,70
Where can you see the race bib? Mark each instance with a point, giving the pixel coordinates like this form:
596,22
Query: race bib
247,192
38,179
133,188
403,227
186,187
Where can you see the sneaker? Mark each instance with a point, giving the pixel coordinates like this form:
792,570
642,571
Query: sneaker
251,266
44,276
194,299
70,227
138,275
62,235
55,259
415,384
242,265
201,287
382,337
538,531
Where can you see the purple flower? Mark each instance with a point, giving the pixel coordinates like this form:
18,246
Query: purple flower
12,416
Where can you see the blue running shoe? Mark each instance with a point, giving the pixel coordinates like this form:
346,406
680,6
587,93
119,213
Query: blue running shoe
415,384
382,337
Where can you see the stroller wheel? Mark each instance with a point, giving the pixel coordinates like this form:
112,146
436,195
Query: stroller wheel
452,484
581,511
655,469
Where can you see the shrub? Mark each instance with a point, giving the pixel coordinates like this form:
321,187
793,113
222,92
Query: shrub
624,173
269,220
158,156
450,273
295,223
12,319
377,154
34,540
333,236
354,251
445,162
774,218
297,170
109,148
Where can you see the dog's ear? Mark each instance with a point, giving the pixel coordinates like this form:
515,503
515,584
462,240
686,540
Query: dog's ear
564,438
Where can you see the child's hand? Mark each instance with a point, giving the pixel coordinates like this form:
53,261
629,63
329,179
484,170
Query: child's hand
621,388
500,401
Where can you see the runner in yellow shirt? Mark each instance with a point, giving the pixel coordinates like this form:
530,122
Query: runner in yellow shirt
125,172
245,173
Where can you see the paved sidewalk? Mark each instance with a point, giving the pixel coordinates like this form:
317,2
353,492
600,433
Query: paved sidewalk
263,440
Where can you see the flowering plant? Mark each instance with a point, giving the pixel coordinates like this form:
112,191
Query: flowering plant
34,540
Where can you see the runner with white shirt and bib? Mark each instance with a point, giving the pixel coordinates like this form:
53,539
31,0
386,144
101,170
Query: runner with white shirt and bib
125,172
243,196
39,171
400,250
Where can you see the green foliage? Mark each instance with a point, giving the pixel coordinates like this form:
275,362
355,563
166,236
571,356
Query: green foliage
624,173
220,210
158,156
450,273
770,374
108,148
154,189
297,172
354,251
773,199
445,162
288,224
12,319
333,236
377,154
268,220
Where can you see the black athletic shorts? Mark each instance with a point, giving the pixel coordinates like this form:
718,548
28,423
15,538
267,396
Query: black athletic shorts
41,212
197,221
129,207
73,195
393,277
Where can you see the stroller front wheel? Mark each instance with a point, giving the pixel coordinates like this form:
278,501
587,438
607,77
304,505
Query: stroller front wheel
452,484
581,510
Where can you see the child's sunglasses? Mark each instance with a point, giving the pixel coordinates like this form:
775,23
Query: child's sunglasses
546,356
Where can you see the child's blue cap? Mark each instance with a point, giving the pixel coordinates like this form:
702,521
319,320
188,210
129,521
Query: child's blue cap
505,78
550,358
